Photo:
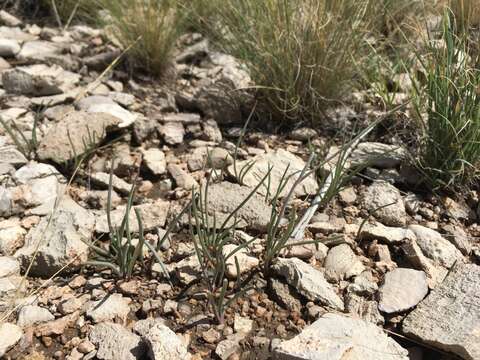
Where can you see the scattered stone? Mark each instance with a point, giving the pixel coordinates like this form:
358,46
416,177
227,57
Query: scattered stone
8,266
8,19
449,317
58,241
9,48
242,325
435,247
72,304
245,262
153,215
230,346
458,210
225,197
342,263
163,343
113,342
279,161
103,180
75,134
39,80
331,226
456,235
173,133
387,234
303,134
39,50
103,104
308,281
10,155
211,131
182,179
111,307
155,161
364,309
10,334
377,199
284,295
32,314
211,336
56,327
402,289
348,196
335,336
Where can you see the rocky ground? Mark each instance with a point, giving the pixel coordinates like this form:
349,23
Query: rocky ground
400,281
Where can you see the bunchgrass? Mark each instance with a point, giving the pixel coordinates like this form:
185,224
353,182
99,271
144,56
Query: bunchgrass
448,101
300,54
152,25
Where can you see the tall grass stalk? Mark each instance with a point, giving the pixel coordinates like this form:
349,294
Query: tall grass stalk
449,99
152,24
300,54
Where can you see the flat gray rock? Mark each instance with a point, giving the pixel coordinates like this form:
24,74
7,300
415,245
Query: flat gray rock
109,308
279,161
114,342
385,202
342,263
75,134
449,318
58,241
338,337
10,334
224,197
387,234
435,247
308,281
402,289
33,314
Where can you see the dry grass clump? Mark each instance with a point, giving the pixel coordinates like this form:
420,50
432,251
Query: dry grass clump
301,54
152,25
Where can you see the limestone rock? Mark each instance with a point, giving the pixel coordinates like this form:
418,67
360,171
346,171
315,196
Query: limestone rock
182,178
224,197
278,160
113,342
386,234
337,337
402,289
10,334
33,314
74,134
9,48
111,307
39,80
435,247
153,215
342,263
172,132
449,318
377,199
308,281
61,240
164,344
154,160
245,262
8,266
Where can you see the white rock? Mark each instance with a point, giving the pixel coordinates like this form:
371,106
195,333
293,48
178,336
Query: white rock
115,342
308,281
342,263
11,238
59,241
118,184
10,334
39,80
173,132
387,234
155,161
435,247
280,160
8,266
10,155
164,344
245,262
402,289
449,318
39,50
9,48
337,337
126,117
182,179
8,19
109,308
386,203
242,325
33,314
